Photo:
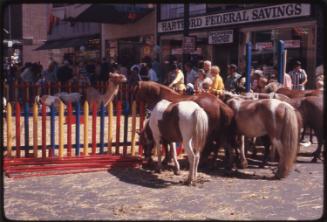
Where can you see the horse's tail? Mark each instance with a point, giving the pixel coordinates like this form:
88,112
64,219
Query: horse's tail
200,127
290,141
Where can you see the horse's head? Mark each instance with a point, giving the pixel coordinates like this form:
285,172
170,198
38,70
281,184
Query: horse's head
117,78
226,95
272,87
147,91
146,140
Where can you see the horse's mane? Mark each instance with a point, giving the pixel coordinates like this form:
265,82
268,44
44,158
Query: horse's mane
158,91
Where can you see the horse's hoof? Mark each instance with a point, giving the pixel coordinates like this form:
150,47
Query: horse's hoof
158,170
188,182
314,160
165,162
262,165
177,172
243,164
279,175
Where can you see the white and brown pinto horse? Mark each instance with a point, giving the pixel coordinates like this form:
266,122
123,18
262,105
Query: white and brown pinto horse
272,117
220,115
185,122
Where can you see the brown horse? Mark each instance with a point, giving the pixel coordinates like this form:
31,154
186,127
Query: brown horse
278,88
277,119
219,114
311,109
299,93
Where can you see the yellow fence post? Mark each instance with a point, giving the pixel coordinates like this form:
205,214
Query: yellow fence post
86,138
9,126
110,120
35,129
61,129
133,127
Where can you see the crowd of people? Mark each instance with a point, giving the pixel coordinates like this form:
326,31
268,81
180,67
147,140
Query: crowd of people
200,77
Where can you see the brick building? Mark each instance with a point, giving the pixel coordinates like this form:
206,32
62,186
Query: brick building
26,28
34,30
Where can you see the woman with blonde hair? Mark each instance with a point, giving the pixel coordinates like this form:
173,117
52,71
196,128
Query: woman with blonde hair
178,82
217,85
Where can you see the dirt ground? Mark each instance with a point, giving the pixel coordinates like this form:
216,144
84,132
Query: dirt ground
134,194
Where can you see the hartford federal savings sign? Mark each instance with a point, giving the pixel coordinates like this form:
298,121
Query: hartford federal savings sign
273,12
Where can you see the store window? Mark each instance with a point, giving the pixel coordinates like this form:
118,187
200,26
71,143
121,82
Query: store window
299,44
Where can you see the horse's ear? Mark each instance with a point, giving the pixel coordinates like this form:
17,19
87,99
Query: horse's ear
138,131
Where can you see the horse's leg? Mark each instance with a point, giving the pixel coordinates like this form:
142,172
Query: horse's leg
228,159
252,144
243,161
303,133
191,158
158,170
311,136
316,153
177,167
282,166
196,164
205,153
266,143
168,154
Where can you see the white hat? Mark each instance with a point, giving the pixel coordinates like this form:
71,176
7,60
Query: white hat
258,72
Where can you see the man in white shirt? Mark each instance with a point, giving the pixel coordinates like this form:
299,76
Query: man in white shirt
298,76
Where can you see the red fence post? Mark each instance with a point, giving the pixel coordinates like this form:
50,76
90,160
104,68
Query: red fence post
69,130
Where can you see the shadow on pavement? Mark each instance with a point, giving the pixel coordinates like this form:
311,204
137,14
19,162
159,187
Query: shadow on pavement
140,177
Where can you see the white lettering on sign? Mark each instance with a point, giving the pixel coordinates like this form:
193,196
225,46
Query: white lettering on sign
292,43
220,37
273,12
189,44
263,45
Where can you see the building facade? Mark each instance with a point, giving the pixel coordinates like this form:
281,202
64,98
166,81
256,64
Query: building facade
70,40
222,31
130,43
26,29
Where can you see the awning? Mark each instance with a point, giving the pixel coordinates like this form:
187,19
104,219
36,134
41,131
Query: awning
112,13
66,43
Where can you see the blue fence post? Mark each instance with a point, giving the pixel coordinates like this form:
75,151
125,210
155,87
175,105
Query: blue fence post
101,128
77,115
26,114
248,66
281,51
52,130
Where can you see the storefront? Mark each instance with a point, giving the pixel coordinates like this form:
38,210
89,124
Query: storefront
222,37
74,50
130,50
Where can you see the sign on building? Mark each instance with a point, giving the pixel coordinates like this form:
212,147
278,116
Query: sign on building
292,43
221,37
263,45
189,44
259,14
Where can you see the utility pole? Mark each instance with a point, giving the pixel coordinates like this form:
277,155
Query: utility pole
186,29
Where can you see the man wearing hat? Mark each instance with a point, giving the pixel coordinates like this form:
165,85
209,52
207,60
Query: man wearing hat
231,80
298,76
